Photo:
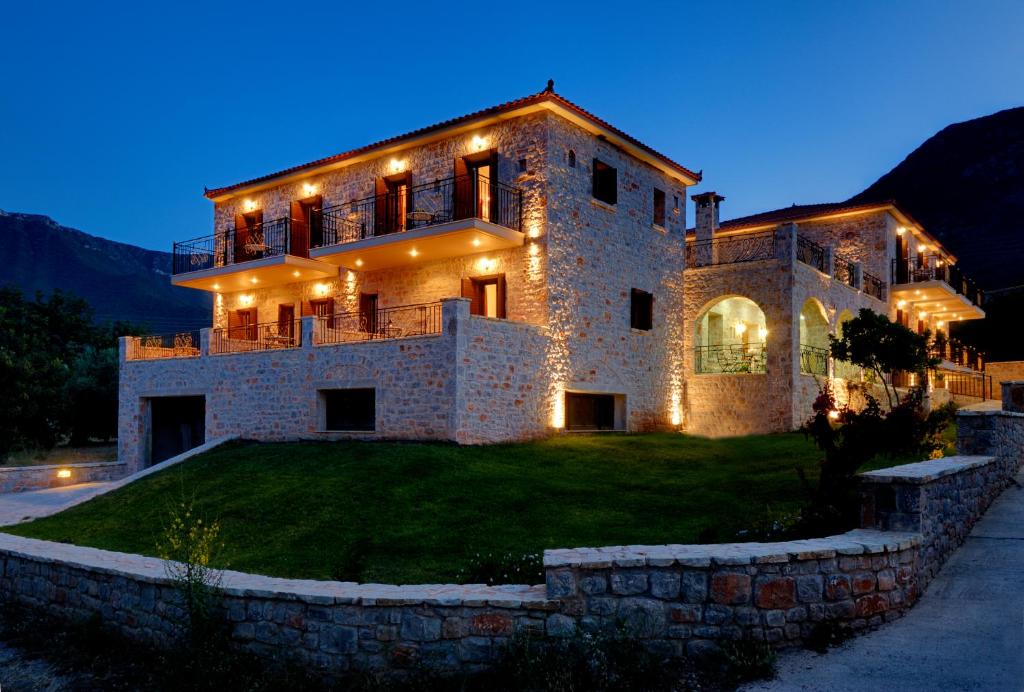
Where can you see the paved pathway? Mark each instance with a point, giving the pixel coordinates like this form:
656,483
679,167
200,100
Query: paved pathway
16,508
966,632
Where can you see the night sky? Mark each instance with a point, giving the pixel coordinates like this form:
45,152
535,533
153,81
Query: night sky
113,118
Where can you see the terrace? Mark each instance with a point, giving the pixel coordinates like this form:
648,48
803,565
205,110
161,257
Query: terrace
931,283
400,225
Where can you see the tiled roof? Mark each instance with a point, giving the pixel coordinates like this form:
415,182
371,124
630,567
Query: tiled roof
800,211
546,95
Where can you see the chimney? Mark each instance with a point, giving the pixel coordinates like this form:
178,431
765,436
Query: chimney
707,214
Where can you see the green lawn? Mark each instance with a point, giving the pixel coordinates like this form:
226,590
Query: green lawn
414,513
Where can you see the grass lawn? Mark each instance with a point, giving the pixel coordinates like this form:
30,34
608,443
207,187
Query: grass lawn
415,513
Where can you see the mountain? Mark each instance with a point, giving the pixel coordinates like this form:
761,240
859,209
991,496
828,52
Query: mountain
966,186
119,281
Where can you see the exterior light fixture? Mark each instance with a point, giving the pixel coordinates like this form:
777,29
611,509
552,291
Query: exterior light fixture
250,205
321,289
900,304
534,249
295,273
359,262
216,287
414,252
476,242
254,280
396,166
740,328
64,473
900,230
921,248
833,414
309,189
762,333
479,143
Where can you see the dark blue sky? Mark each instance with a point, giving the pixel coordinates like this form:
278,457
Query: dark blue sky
112,118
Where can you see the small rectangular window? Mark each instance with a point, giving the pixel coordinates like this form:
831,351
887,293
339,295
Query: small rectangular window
590,411
641,314
605,184
659,207
350,409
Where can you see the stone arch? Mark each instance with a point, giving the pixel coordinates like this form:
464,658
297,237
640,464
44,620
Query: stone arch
730,336
845,316
814,344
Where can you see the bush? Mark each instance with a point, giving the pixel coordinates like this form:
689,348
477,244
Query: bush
747,660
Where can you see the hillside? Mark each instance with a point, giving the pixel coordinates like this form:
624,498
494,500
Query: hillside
120,281
966,185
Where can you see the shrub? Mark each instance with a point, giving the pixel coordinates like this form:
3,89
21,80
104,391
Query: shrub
747,660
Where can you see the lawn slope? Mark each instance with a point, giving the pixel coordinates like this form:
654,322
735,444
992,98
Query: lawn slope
409,513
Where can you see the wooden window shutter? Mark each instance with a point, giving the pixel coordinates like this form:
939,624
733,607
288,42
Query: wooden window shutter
462,204
380,206
469,290
500,309
235,324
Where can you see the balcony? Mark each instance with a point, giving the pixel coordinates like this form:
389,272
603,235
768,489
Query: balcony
934,285
263,254
452,217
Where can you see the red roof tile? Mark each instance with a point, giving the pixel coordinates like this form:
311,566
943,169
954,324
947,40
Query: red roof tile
546,95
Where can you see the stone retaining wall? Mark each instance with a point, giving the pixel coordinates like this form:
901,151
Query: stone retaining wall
16,479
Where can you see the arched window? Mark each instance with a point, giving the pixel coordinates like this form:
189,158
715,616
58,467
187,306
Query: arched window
814,346
572,159
730,337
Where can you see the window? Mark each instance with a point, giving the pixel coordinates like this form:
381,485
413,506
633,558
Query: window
572,159
594,411
350,409
286,320
605,183
242,324
659,207
522,165
486,295
641,310
323,308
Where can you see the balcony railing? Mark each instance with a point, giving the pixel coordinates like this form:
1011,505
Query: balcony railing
809,252
429,204
873,286
973,385
256,337
730,358
265,239
155,346
935,268
813,360
385,323
843,271
958,353
731,249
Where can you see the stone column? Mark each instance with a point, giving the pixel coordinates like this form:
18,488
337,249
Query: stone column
308,329
829,260
858,276
454,317
1013,396
785,243
204,341
122,348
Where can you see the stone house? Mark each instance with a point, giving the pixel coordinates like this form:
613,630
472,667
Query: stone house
504,275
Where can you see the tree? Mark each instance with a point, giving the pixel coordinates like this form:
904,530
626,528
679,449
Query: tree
873,342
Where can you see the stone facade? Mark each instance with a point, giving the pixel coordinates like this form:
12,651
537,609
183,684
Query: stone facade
16,479
1005,371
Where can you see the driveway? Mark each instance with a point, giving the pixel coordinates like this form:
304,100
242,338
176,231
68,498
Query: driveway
966,632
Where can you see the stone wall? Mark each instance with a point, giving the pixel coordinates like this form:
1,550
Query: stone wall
479,380
1005,370
677,599
16,479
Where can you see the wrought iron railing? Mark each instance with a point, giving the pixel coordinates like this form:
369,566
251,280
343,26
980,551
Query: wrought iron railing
958,353
256,337
843,271
809,252
384,323
428,204
154,346
935,268
971,385
813,360
749,247
873,286
265,239
730,358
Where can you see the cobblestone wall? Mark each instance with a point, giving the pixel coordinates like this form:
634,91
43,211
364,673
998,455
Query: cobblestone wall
16,479
677,599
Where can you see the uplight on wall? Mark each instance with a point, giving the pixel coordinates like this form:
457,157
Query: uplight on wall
558,410
64,473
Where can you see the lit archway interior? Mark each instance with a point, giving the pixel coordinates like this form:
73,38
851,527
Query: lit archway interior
730,337
813,338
